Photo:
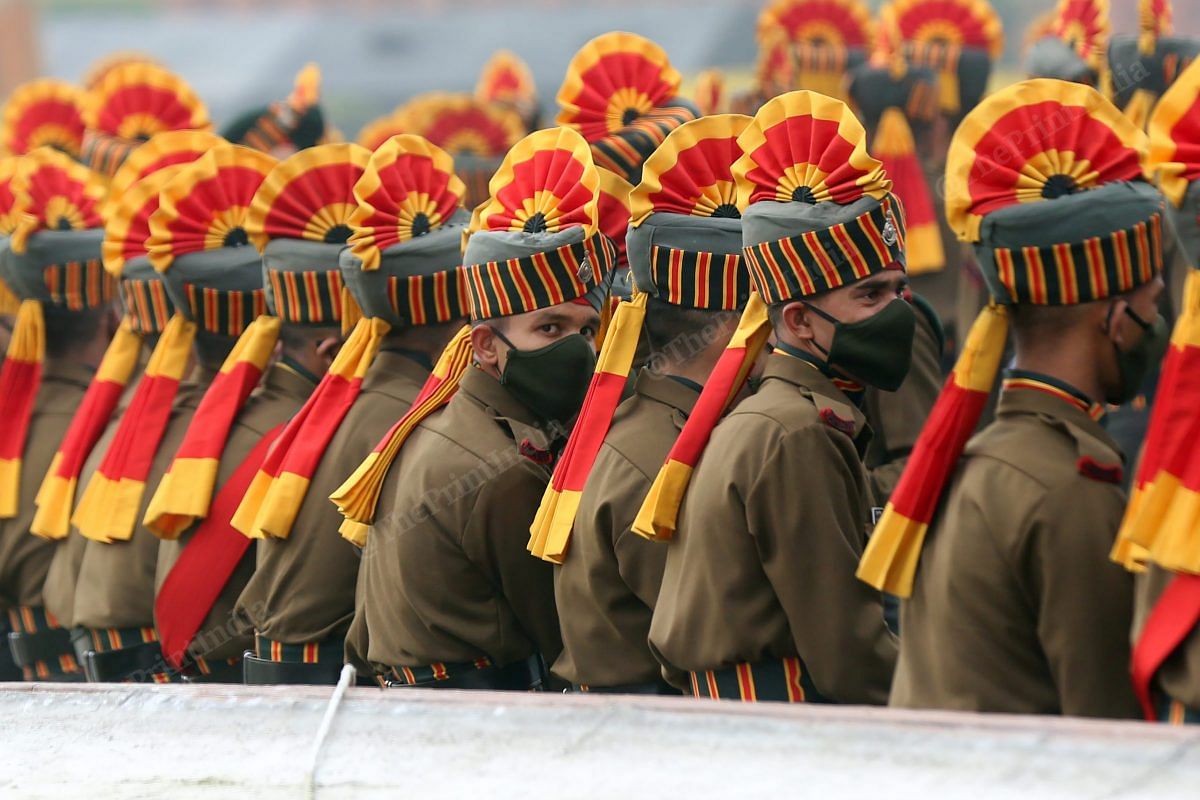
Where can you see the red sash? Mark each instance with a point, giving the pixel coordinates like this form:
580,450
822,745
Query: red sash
1173,617
207,561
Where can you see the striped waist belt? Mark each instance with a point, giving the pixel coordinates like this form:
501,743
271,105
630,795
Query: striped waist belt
121,655
779,680
526,675
1174,712
40,646
327,651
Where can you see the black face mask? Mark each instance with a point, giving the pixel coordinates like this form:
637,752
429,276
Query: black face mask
550,381
1135,363
877,350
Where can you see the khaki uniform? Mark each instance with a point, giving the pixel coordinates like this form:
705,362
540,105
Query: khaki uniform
25,558
303,588
1016,606
445,574
771,531
608,583
283,392
115,586
1179,676
897,417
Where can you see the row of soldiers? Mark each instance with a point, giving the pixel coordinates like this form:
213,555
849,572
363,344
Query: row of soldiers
520,511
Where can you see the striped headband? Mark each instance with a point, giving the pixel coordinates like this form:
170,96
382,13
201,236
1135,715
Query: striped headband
146,304
224,312
707,281
77,285
312,297
429,299
817,261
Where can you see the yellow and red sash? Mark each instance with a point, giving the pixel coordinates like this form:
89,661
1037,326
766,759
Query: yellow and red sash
186,490
358,495
894,550
275,495
108,509
660,510
56,497
551,530
894,146
20,379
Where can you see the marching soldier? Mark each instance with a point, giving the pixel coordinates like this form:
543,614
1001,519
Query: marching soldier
449,597
684,248
1014,606
758,599
202,562
402,266
65,321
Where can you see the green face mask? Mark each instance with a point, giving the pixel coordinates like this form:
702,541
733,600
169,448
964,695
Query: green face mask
550,381
877,350
1134,364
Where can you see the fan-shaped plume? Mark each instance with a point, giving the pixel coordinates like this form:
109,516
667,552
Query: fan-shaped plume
461,124
806,147
1036,140
1175,135
844,23
692,172
408,189
612,210
10,215
506,79
205,206
44,112
127,219
306,90
164,150
137,100
1084,25
777,69
380,129
99,70
1156,19
55,192
959,23
546,183
612,80
309,196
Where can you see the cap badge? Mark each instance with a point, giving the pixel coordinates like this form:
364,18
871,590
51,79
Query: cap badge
585,270
889,233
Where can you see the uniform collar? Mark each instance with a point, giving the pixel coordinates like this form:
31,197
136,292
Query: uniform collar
418,357
1023,394
835,407
286,380
293,367
666,390
852,389
400,363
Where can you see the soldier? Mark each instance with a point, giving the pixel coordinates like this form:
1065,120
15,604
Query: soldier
684,248
758,598
402,266
449,597
66,319
283,129
1014,606
202,562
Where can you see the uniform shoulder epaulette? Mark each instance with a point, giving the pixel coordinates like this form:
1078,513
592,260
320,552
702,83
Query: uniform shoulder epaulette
1098,471
834,420
1096,459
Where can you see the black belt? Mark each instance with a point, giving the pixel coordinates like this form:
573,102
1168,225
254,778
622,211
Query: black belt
261,671
648,687
48,645
139,664
527,675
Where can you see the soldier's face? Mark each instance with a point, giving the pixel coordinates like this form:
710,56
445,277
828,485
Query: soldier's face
856,302
532,331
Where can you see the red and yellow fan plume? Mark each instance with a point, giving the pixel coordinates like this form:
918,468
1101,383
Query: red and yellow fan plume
206,207
163,150
462,125
776,70
100,68
895,148
10,213
108,509
308,196
837,23
127,219
1041,28
379,130
612,209
1175,136
693,174
306,89
1156,19
894,550
44,112
186,490
710,93
612,81
278,489
407,190
56,498
1084,26
548,177
1032,141
506,79
806,146
54,192
659,513
358,496
20,379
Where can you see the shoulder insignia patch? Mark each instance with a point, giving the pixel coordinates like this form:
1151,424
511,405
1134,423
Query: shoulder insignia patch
1106,473
830,418
535,453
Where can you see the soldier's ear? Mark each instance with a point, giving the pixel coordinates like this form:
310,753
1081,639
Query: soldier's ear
327,349
1111,324
797,319
486,345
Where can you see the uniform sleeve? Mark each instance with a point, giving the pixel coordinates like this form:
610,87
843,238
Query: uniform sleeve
1084,601
806,511
499,529
897,417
